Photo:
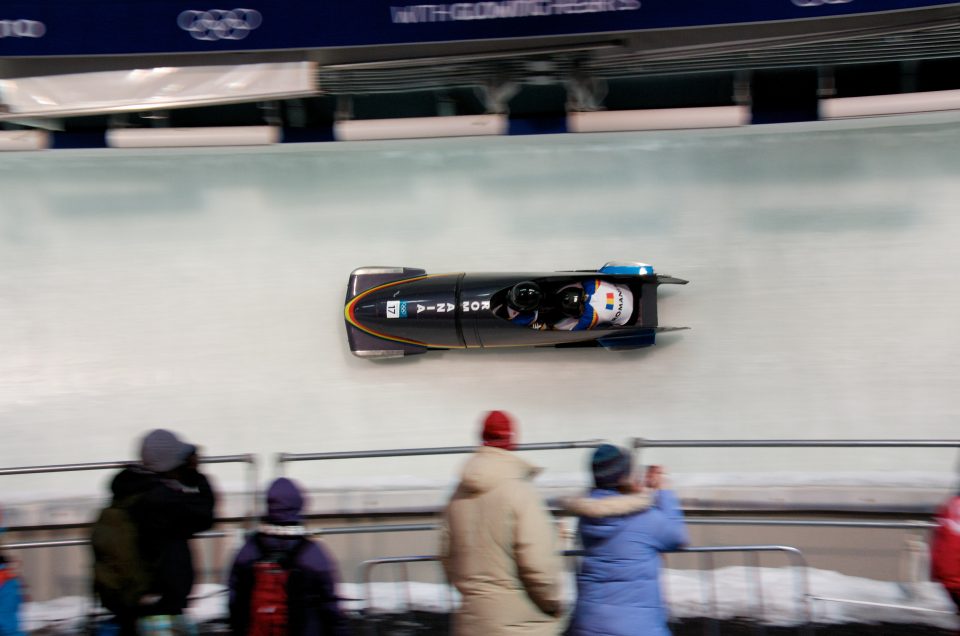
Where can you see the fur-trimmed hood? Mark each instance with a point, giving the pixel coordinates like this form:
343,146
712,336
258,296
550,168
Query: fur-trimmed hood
613,505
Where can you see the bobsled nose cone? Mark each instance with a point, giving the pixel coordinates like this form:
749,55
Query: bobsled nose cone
365,311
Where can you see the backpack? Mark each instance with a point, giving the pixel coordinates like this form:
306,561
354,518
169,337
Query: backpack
121,576
269,597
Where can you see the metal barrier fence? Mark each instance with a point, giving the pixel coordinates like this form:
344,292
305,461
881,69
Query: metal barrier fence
387,528
802,596
284,458
219,534
249,459
805,611
639,444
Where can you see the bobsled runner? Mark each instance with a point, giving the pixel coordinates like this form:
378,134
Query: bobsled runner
399,311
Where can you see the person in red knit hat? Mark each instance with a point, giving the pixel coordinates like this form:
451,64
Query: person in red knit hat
498,431
498,543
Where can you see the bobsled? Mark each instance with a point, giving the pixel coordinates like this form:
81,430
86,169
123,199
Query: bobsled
400,311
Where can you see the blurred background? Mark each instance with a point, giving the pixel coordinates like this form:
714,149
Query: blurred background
188,189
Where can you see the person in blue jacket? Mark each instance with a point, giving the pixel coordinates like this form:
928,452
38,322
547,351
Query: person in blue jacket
11,595
10,599
623,529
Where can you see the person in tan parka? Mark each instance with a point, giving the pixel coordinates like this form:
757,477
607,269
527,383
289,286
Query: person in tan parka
498,543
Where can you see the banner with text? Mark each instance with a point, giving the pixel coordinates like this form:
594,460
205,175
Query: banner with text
110,27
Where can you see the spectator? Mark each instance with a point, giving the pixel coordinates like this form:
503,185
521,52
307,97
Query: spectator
623,532
169,501
497,542
309,606
945,548
11,594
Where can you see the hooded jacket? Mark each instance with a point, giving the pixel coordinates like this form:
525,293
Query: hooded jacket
498,549
312,603
618,585
10,600
945,546
167,514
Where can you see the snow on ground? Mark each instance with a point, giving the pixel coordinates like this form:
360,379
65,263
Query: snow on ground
688,593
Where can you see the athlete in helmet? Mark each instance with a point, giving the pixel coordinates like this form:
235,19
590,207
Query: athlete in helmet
523,304
525,296
572,300
592,304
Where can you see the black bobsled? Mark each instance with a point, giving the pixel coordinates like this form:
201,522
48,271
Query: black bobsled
398,311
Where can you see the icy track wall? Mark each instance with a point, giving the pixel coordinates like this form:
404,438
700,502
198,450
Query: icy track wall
203,291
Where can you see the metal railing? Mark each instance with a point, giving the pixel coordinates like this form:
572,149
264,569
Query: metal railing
284,458
639,444
218,534
388,528
893,606
249,459
805,601
708,582
63,468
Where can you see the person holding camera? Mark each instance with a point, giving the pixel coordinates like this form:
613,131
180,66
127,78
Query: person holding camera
624,527
143,568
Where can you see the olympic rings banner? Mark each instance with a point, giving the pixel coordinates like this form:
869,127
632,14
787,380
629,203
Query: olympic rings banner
110,27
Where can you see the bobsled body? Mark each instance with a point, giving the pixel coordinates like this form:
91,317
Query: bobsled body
395,311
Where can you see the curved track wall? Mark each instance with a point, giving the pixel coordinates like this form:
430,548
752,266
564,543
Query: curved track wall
203,291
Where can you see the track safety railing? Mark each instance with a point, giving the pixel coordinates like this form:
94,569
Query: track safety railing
285,458
220,534
708,585
387,528
639,444
249,459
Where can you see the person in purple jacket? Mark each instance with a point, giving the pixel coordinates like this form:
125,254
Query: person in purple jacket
623,529
312,605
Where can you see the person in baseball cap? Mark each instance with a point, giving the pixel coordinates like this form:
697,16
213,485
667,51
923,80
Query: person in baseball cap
168,500
162,451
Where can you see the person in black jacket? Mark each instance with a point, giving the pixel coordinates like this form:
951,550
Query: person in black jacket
172,502
312,605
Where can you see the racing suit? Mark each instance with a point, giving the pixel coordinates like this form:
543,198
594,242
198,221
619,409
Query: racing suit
606,304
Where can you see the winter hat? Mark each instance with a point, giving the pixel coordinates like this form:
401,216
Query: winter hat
162,451
610,465
285,500
498,430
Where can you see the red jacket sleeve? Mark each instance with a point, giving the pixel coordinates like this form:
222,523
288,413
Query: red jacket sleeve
945,545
